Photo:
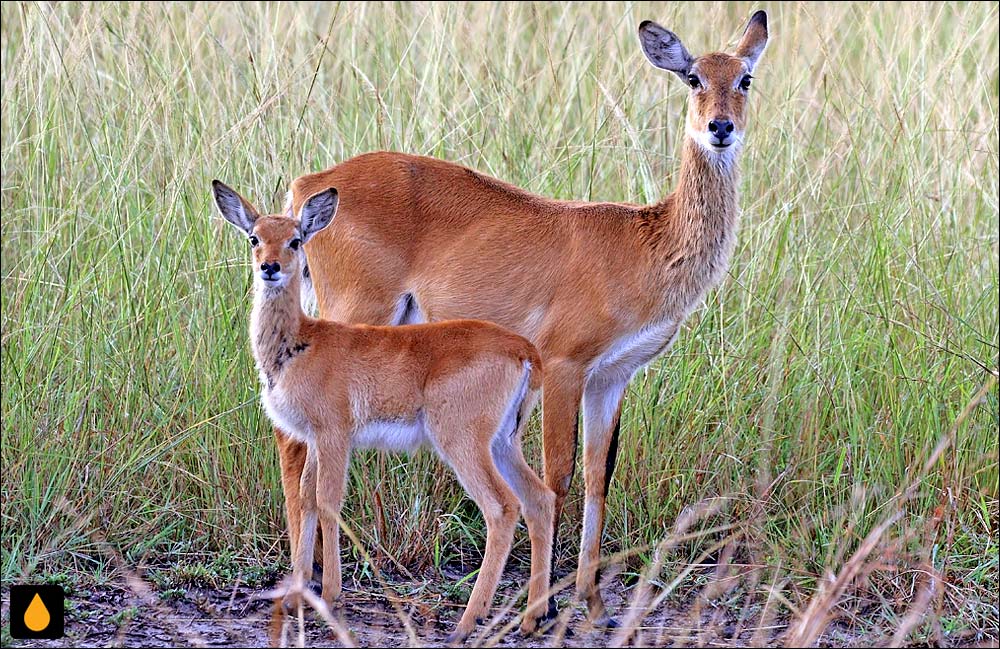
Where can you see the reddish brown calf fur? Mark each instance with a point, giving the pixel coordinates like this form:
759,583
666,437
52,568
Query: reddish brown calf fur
465,388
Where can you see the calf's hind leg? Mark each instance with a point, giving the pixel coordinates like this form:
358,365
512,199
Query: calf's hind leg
537,504
475,471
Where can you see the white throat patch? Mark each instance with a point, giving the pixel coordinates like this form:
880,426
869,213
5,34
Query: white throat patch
724,160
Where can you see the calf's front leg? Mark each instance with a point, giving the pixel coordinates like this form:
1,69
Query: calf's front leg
302,558
334,458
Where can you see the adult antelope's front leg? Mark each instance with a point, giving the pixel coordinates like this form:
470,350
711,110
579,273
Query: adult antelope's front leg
562,389
602,402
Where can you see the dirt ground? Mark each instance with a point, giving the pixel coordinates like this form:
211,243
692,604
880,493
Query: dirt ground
135,614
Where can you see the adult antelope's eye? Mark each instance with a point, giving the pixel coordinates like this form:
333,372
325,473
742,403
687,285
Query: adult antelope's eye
745,82
254,240
694,81
294,243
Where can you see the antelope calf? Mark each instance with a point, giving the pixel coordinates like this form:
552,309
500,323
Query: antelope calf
600,288
463,387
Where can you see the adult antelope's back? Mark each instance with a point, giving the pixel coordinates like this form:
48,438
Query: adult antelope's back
600,288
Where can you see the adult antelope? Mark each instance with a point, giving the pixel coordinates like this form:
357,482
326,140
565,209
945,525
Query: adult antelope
466,388
600,288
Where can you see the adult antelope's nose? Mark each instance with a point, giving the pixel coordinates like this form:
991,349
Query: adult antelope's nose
720,127
270,268
721,130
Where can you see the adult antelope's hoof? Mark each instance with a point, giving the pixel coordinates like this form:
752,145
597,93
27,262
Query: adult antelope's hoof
536,617
537,628
545,625
335,604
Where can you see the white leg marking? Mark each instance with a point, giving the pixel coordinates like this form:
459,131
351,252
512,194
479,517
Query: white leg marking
308,539
591,514
600,403
627,354
501,447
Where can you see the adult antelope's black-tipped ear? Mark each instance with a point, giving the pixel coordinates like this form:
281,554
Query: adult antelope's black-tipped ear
318,212
233,207
754,39
663,49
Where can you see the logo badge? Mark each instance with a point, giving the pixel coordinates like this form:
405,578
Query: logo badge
37,612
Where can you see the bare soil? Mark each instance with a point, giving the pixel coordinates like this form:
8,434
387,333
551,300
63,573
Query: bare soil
135,614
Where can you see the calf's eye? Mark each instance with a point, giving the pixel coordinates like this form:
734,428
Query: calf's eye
745,82
694,81
254,240
294,244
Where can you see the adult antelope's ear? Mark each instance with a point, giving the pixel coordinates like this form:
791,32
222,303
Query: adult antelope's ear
663,49
233,207
754,39
317,213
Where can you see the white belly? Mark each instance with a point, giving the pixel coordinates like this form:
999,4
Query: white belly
287,416
390,435
627,354
396,436
610,373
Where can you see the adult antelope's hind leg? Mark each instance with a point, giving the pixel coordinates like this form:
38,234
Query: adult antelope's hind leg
562,390
601,419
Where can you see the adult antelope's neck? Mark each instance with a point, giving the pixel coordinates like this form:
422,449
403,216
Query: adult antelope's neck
707,195
274,328
692,231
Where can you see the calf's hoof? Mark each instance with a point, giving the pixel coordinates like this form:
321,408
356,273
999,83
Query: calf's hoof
291,603
531,625
605,621
456,638
553,610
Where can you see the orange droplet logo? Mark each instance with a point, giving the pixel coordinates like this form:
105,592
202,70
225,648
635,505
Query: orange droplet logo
36,617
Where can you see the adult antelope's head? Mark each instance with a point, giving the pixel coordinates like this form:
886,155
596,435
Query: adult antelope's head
719,82
276,240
